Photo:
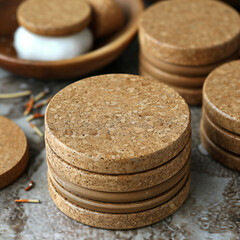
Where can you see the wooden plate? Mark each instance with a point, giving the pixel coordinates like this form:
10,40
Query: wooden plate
105,51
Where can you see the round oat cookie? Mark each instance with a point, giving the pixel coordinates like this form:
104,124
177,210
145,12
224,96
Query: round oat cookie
226,158
190,33
118,221
54,17
117,124
13,151
221,96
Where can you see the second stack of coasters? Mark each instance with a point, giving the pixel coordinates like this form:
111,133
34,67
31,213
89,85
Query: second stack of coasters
181,42
118,151
220,126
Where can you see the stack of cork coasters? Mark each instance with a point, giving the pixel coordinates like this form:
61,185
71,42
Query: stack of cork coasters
220,126
118,151
181,42
13,151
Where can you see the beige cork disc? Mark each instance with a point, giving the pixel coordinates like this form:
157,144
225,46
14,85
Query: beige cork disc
118,183
193,96
190,32
131,207
117,124
171,79
121,197
54,17
188,71
107,17
13,151
226,158
223,138
221,96
119,221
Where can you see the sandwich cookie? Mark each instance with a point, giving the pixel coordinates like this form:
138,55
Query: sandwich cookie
13,151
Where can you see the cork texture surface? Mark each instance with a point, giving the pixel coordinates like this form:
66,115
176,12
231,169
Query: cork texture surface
121,197
223,138
226,158
118,221
188,71
221,96
117,124
130,207
170,78
13,151
107,17
192,96
55,17
190,32
118,183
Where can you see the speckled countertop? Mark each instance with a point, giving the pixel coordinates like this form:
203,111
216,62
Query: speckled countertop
212,210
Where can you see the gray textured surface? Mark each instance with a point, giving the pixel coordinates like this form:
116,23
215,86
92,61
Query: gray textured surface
212,210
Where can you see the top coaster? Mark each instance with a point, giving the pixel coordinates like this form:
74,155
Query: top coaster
190,32
221,96
117,124
13,151
54,17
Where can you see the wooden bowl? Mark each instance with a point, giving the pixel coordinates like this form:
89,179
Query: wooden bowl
104,52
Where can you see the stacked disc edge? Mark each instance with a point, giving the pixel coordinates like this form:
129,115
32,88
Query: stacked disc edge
220,125
181,43
118,151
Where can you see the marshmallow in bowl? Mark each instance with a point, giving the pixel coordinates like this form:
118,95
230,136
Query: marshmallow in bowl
30,46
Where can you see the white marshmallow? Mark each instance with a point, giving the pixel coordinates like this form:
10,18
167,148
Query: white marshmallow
31,46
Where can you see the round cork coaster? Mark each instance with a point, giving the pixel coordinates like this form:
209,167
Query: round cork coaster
117,183
13,151
223,138
190,32
108,17
108,207
226,158
118,221
117,124
193,96
55,17
189,71
121,197
169,78
221,96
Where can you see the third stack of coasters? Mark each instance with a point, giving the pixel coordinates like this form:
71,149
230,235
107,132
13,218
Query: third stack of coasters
181,42
118,151
220,126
